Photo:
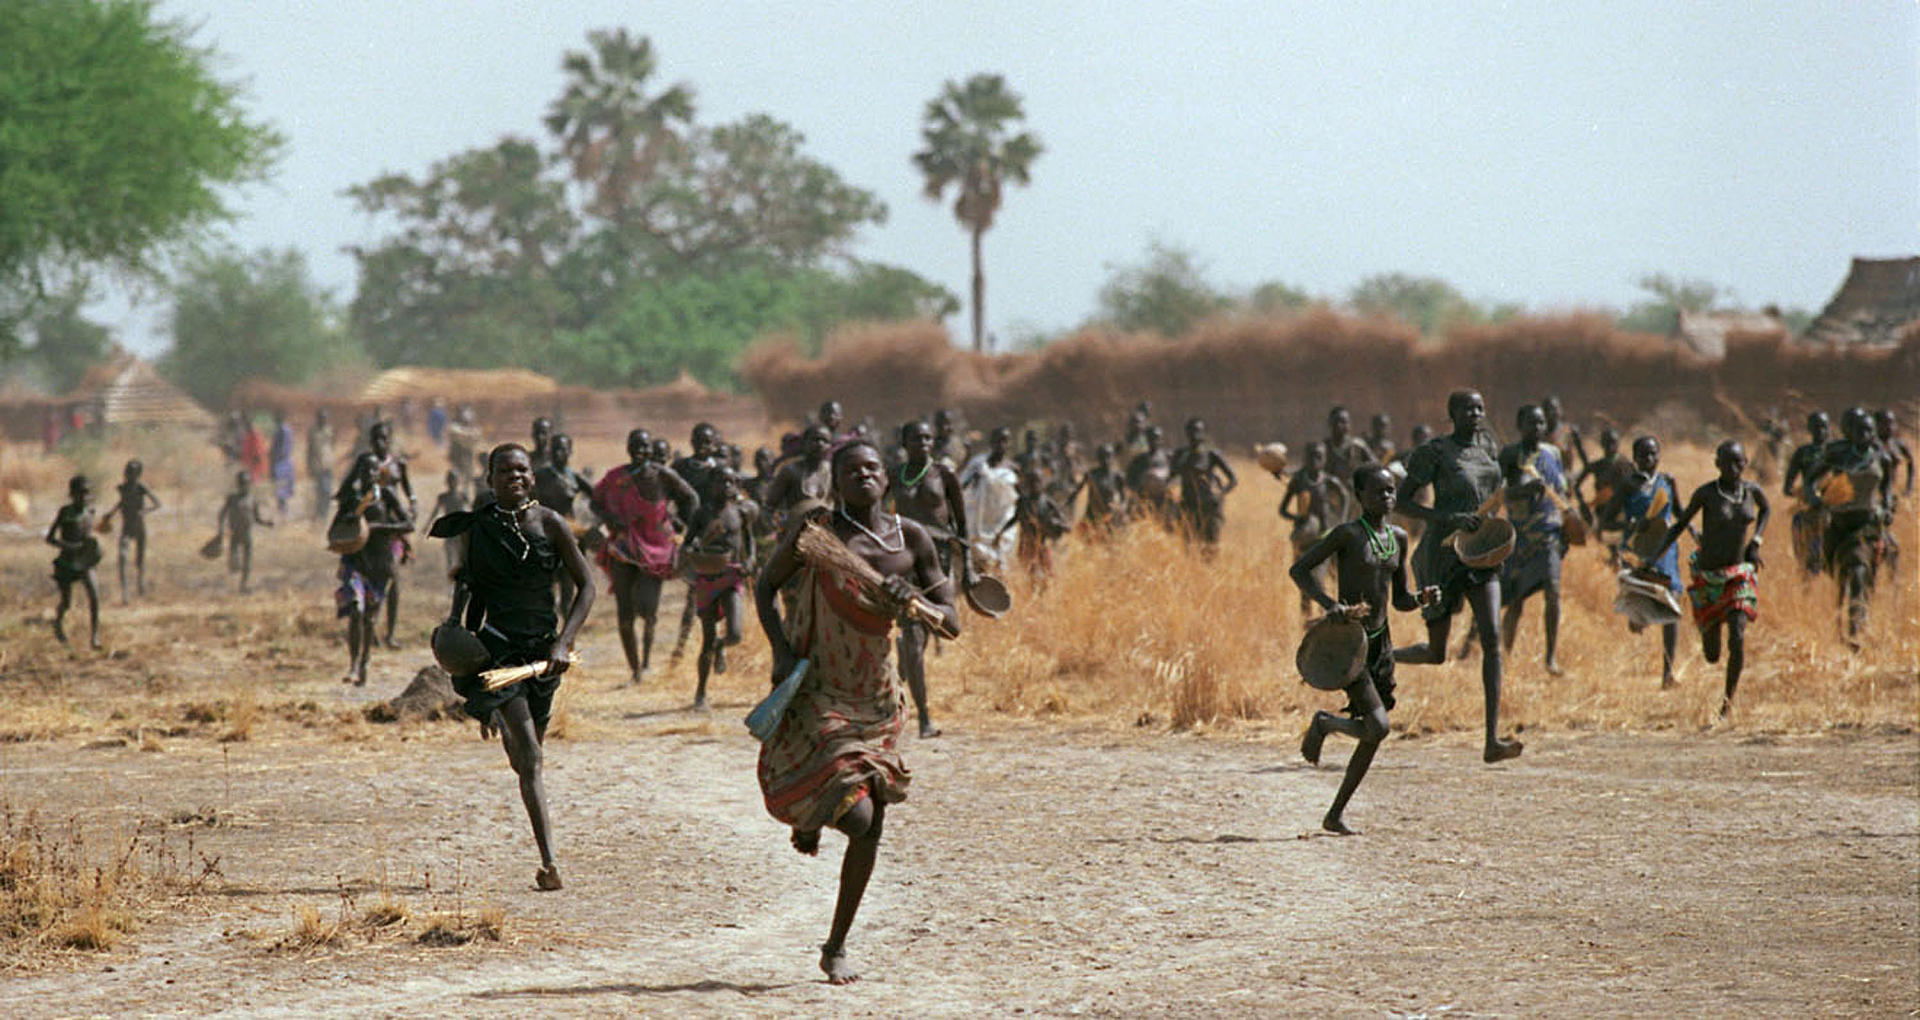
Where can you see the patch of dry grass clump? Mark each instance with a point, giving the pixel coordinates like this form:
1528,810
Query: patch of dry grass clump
61,889
390,917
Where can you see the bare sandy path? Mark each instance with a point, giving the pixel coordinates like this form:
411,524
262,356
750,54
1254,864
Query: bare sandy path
1035,871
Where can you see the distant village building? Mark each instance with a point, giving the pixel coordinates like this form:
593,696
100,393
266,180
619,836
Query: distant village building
1705,333
1878,299
127,391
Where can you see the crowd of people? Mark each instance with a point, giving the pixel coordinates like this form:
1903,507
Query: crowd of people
840,530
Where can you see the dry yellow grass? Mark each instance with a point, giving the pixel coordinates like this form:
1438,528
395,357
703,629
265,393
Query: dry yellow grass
1143,631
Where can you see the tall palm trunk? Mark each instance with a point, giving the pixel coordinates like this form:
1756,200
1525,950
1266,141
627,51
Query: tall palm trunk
979,296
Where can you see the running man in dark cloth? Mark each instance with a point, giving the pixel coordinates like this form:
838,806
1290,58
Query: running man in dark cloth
238,514
1809,519
1733,514
635,505
1106,507
927,492
135,502
834,758
72,533
719,554
1422,433
1534,475
700,469
509,551
366,577
557,486
1205,480
1370,558
1067,463
1854,484
1326,502
1346,452
390,471
1380,439
1150,479
807,477
540,453
1464,470
834,417
1647,501
320,464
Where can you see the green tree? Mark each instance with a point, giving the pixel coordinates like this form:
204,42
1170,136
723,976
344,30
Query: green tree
1274,297
1167,294
612,131
115,142
747,189
256,316
970,144
65,342
1667,297
1427,303
473,274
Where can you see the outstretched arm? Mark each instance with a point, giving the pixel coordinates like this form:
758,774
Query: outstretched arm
780,568
1220,464
1763,511
956,505
1403,597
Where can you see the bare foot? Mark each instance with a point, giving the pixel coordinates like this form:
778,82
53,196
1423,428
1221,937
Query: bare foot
390,642
834,963
1666,683
94,643
807,841
1338,826
1501,750
59,632
547,879
928,731
720,659
1553,669
1310,744
700,703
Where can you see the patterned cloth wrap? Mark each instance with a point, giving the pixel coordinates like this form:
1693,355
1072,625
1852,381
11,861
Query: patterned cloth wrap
1718,594
839,741
358,593
641,529
711,588
1539,540
1639,502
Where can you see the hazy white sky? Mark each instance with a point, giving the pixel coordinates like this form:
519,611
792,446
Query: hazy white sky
1546,153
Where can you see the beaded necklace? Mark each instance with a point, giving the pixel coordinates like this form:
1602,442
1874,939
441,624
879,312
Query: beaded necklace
1383,544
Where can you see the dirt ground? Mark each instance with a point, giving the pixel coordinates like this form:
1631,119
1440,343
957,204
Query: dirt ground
1044,871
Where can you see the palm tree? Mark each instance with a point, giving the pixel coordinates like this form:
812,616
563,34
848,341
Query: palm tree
969,144
611,131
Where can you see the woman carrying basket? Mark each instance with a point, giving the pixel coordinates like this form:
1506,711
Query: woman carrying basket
834,759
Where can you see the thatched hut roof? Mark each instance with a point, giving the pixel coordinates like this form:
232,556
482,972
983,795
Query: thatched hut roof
129,391
1878,299
1706,332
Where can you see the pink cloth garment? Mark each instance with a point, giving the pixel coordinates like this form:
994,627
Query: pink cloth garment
640,529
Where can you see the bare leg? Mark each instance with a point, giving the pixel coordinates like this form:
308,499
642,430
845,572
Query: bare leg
522,741
1432,651
140,564
1551,616
1669,637
913,668
92,589
623,583
121,563
709,644
393,607
1370,729
246,563
862,825
60,611
1736,657
646,602
355,638
686,624
1484,599
1510,623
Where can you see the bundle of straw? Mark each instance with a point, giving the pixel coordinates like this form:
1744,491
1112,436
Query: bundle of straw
820,547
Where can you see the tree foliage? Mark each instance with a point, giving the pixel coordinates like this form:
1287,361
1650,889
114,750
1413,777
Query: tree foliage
1667,296
1167,294
115,142
1427,303
970,144
256,316
680,244
65,342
